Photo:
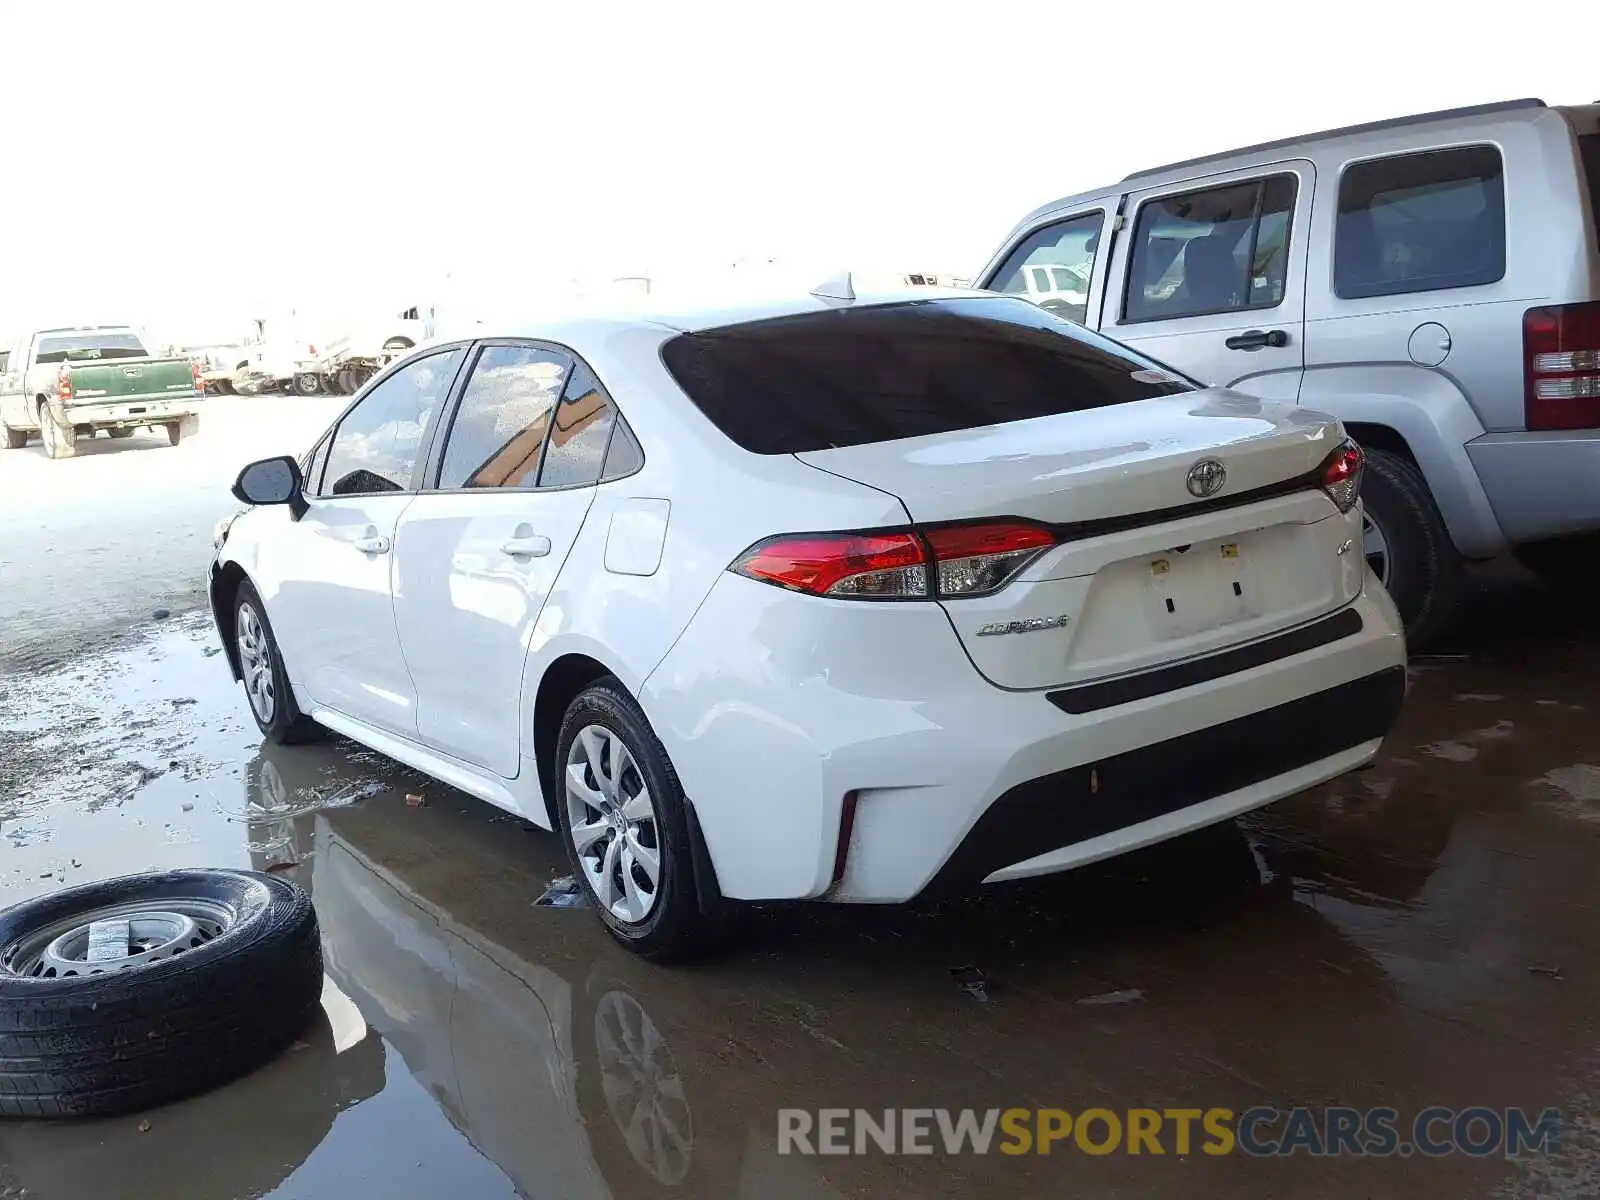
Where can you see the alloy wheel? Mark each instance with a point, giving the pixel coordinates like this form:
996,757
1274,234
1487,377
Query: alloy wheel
255,664
612,823
1376,547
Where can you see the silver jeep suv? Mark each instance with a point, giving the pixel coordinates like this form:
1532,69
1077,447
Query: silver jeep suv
1434,281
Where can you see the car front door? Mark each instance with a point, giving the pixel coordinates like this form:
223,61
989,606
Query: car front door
332,601
1211,278
477,553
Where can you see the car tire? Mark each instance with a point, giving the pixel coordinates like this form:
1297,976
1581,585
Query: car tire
16,439
265,679
307,384
60,440
1420,566
673,926
119,434
182,428
1568,564
237,978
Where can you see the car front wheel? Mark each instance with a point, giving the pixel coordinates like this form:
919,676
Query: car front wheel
623,816
266,683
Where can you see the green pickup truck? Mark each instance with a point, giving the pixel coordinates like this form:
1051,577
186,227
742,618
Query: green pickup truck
66,384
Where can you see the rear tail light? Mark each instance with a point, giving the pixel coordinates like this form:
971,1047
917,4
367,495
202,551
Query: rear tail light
939,561
1341,475
199,382
64,385
1561,367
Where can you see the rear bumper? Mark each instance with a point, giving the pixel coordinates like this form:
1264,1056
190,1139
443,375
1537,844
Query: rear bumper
1541,485
125,410
784,713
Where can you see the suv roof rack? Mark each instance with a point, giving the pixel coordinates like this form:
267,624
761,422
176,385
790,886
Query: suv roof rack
1472,110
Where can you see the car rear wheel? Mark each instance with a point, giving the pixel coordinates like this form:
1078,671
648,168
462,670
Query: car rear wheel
623,816
1408,547
182,428
16,439
266,683
123,994
60,440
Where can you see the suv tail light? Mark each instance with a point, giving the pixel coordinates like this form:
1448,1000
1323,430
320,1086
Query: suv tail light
934,562
64,384
1561,367
1341,475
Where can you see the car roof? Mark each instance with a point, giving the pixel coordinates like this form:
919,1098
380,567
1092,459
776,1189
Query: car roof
571,320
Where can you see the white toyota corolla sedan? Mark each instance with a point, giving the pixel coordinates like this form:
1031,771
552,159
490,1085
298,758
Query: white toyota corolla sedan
839,597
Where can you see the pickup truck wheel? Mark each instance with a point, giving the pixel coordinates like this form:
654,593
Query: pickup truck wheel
182,428
123,994
60,441
16,439
307,384
266,682
1408,547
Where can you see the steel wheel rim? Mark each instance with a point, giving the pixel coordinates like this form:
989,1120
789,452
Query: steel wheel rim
642,1087
611,820
1376,547
255,664
151,931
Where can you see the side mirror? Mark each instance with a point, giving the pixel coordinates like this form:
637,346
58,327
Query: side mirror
272,481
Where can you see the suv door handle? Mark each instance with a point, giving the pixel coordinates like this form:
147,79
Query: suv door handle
1257,339
372,542
531,545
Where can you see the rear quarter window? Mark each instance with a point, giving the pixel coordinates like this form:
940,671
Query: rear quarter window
854,376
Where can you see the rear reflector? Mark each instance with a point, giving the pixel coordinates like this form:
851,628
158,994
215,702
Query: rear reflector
1561,367
969,560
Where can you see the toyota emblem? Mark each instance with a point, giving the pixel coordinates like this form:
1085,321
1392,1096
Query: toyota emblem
1206,478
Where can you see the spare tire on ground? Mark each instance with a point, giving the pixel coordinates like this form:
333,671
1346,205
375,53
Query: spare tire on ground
128,993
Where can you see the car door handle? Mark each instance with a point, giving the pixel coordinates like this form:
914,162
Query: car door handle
372,543
1257,339
531,545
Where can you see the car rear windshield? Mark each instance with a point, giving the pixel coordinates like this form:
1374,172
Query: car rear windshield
1589,151
82,345
852,376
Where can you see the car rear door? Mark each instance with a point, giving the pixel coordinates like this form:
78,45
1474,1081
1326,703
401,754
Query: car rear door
332,598
1210,277
511,480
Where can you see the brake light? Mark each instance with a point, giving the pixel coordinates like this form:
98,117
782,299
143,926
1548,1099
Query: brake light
1561,367
64,384
199,383
1341,475
967,560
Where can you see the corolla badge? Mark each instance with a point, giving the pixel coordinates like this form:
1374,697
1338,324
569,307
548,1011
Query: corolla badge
1028,625
1206,478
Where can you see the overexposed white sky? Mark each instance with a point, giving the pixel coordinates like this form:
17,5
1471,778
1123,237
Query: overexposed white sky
189,165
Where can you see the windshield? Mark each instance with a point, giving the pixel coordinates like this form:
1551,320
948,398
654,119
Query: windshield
854,376
89,344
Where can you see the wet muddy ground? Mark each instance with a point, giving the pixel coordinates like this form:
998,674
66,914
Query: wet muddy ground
1423,933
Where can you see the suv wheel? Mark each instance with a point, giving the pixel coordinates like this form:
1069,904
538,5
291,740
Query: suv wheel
1408,547
624,819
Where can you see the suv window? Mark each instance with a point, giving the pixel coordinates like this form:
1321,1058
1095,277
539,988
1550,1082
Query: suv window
376,446
499,428
580,434
1420,222
853,376
1218,250
1068,245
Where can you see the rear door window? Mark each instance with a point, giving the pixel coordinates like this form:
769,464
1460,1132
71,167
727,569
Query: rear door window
1420,223
1217,250
498,434
1053,265
854,376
